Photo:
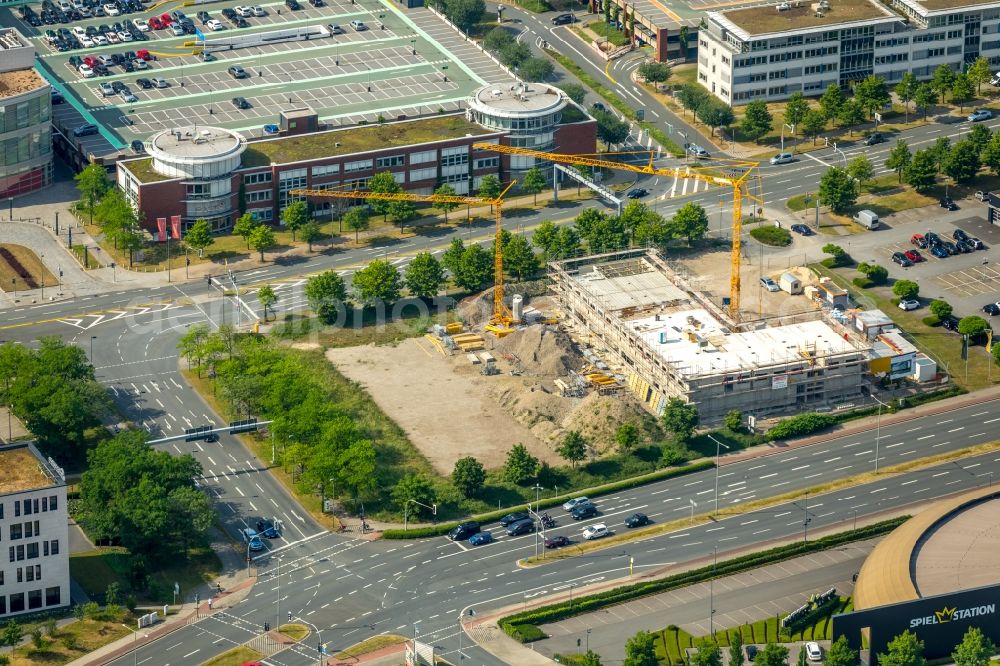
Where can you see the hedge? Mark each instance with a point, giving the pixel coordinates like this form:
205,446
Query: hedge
775,236
515,623
801,424
597,491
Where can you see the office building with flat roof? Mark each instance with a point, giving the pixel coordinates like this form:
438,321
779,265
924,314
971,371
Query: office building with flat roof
25,112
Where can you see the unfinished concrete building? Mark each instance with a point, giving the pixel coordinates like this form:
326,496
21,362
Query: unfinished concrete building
671,341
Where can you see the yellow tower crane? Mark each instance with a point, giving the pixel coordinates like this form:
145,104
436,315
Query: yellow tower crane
731,173
500,320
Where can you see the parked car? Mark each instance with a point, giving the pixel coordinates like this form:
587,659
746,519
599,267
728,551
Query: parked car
112,10
949,247
637,520
243,11
271,129
556,542
464,531
982,195
176,29
965,246
959,235
214,24
203,16
909,304
155,23
259,11
992,309
874,138
335,29
525,526
129,98
900,258
513,518
914,256
769,284
573,503
86,71
596,532
813,651
950,323
976,243
293,5
782,158
358,25
143,54
980,114
267,528
637,193
238,72
948,203
584,511
480,539
751,651
932,238
107,90
939,251
802,229
160,82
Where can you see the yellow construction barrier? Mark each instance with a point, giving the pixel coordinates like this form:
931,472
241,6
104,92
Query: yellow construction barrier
454,327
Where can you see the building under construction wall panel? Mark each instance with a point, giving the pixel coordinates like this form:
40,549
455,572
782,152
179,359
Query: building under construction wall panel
671,341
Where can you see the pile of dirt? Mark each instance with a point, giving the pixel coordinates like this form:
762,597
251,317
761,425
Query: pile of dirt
543,351
476,310
598,417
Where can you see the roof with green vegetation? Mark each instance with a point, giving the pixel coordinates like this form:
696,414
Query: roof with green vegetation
22,471
767,19
318,145
939,5
142,169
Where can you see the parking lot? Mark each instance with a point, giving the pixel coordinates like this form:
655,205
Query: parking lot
397,66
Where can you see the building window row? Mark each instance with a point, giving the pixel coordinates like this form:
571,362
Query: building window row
423,157
257,178
264,214
35,505
785,57
358,165
822,51
929,37
260,195
30,551
391,161
15,602
28,574
25,114
325,170
891,41
24,530
891,58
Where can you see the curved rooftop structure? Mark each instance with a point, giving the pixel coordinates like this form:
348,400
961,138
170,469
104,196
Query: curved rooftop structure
196,152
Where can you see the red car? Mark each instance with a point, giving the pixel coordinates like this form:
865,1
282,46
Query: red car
556,542
144,54
89,61
155,23
914,256
165,19
918,240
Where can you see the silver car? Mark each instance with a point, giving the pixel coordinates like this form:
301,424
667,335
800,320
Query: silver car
782,158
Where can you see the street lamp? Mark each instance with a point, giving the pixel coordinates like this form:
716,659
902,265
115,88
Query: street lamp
277,601
135,640
783,126
537,488
470,612
717,445
406,507
92,338
878,428
711,593
138,403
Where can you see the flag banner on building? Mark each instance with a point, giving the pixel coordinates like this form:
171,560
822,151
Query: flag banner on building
175,227
161,229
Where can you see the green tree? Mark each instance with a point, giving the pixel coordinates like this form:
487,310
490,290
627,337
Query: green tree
691,96
991,154
537,69
412,492
924,98
490,187
92,183
356,219
962,91
424,276
610,129
942,80
973,326
837,190
813,124
244,227
736,649
267,298
12,633
899,158
904,650
772,654
851,114
262,239
601,231
591,659
567,243
514,53
402,212
974,650
452,257
545,236
652,230
627,437
573,447
574,91
518,258
708,654
733,420
295,216
466,14
921,172
906,90
475,268
802,660
962,162
383,183
379,281
831,100
468,476
191,344
640,650
199,236
715,113
757,120
861,169
533,182
877,274
979,73
520,465
497,38
326,295
979,135
311,233
680,418
872,94
941,309
689,222
841,654
905,289
796,108
654,72
445,190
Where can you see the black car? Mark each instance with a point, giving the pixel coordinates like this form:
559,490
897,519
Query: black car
959,235
316,3
229,13
949,247
240,22
525,526
293,5
965,247
802,230
556,542
900,258
145,84
57,98
932,238
751,652
241,103
637,520
204,17
637,193
873,139
948,203
267,528
85,130
513,518
586,511
564,19
598,106
118,86
992,309
950,323
463,531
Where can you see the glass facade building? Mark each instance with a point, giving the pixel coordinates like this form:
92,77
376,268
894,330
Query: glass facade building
25,125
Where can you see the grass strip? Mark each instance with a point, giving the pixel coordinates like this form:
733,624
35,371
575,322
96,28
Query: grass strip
370,645
235,657
294,631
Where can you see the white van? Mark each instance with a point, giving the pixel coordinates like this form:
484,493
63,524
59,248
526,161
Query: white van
867,218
